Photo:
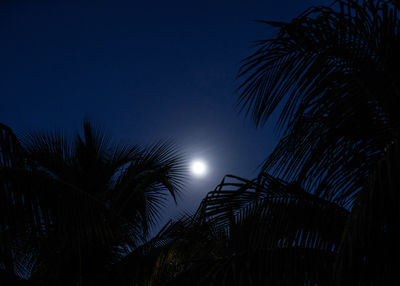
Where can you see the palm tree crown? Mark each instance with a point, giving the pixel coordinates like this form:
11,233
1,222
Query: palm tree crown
89,202
333,73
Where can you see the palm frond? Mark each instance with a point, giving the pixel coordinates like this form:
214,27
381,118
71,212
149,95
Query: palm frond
252,232
72,208
142,189
333,73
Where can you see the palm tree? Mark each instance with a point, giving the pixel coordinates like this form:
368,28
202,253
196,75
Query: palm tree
333,74
73,208
247,232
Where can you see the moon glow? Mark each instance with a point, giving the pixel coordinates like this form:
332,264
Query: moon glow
199,168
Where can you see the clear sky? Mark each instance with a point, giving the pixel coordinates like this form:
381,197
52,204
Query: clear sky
143,70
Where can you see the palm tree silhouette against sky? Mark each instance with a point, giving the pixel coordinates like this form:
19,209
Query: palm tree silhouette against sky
144,70
332,73
324,211
254,232
74,207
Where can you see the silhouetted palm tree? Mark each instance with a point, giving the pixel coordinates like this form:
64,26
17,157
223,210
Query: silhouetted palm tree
259,232
333,75
72,208
333,72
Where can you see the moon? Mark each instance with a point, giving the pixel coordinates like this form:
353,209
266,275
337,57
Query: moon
199,168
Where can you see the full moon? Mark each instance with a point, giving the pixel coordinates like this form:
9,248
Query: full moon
199,168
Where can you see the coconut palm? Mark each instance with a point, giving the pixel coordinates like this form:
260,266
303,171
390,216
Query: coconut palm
246,232
333,74
272,228
268,232
75,207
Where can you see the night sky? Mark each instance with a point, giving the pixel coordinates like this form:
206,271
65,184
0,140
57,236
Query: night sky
143,71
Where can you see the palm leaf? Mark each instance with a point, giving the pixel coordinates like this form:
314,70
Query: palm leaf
252,232
332,72
84,203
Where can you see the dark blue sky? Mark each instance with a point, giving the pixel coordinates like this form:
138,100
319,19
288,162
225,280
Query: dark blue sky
144,70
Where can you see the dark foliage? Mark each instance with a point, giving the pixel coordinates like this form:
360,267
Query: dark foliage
333,73
248,233
71,209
